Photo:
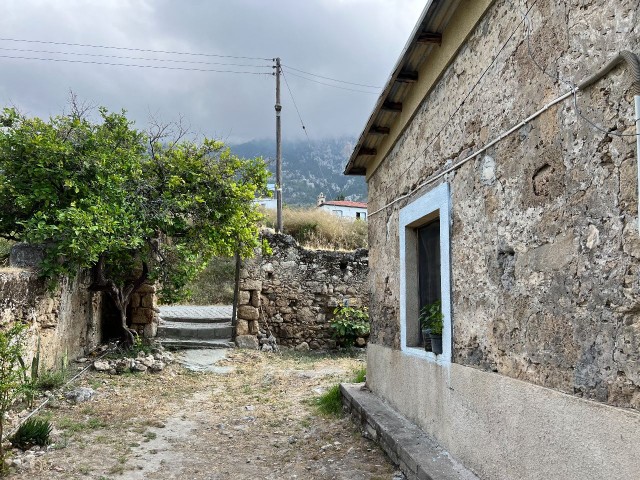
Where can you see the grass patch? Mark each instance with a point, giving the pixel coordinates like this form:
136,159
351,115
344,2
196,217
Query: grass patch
318,229
360,375
330,403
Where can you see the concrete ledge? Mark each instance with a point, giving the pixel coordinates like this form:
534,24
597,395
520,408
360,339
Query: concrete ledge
417,455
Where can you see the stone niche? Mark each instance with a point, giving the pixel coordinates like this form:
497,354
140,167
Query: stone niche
291,294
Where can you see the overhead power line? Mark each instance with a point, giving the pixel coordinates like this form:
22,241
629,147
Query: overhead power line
124,57
170,52
330,85
332,79
66,60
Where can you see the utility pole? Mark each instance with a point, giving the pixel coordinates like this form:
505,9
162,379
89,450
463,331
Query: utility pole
278,152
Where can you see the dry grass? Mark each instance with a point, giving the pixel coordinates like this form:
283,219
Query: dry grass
317,229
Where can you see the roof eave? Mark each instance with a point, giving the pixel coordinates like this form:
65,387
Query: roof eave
432,8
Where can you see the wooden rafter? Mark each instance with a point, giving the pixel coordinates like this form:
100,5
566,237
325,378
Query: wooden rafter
430,37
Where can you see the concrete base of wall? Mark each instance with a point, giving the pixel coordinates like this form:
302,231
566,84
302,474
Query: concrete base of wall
503,428
417,455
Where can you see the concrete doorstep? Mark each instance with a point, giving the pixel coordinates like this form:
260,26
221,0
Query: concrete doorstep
417,455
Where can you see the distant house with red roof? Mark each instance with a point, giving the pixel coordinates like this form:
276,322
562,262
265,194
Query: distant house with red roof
343,208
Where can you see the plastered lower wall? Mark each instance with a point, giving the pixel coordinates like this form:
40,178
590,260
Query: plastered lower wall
508,429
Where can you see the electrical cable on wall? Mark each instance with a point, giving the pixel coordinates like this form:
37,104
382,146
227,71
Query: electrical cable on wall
632,60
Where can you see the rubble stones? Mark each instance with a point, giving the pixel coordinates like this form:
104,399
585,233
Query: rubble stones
80,394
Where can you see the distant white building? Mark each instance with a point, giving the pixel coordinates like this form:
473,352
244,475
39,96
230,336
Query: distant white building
268,202
343,208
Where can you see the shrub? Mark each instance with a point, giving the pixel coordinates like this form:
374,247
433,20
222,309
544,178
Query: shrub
350,323
314,228
33,431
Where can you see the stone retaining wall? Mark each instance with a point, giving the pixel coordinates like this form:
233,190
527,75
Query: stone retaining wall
292,292
66,320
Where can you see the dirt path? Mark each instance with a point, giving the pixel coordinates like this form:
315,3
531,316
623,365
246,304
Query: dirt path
255,423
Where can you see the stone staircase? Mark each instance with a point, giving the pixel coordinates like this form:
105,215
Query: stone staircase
187,326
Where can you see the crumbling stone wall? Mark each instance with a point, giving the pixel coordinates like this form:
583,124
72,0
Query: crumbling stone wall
66,320
292,292
544,241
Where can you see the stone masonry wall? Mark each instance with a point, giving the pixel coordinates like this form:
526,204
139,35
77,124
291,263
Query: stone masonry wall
292,293
545,245
67,320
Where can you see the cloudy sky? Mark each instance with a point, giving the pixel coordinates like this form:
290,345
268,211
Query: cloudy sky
352,40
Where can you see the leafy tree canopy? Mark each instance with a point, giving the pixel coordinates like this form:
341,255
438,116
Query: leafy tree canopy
133,206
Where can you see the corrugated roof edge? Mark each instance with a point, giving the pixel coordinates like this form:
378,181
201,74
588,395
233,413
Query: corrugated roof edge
430,9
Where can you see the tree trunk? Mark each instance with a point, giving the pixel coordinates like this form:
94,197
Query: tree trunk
127,333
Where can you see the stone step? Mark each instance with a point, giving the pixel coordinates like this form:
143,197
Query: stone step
182,344
418,455
189,319
195,330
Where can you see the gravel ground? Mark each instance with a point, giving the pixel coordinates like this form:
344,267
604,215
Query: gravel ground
253,420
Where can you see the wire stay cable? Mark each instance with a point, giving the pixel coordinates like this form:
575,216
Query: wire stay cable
124,57
87,45
333,79
91,62
295,104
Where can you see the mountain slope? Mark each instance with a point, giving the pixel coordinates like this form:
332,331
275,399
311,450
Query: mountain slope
309,168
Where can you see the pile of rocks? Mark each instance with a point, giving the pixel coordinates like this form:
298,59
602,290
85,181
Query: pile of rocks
153,362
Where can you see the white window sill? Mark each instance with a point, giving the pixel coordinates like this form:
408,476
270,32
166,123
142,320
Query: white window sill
423,354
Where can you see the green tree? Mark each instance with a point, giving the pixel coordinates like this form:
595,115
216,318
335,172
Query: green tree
133,206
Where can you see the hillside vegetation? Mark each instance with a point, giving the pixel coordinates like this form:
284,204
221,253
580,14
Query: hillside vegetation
310,168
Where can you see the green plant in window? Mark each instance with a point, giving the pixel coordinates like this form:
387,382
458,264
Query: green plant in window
431,317
350,323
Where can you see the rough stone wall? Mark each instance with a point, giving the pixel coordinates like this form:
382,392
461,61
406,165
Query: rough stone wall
292,292
545,244
144,311
67,320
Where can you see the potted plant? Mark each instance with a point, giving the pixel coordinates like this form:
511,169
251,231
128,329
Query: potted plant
424,327
431,319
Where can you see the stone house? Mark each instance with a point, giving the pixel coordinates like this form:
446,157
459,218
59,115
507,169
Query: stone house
499,188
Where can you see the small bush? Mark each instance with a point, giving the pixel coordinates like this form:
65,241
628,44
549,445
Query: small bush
34,431
318,229
350,323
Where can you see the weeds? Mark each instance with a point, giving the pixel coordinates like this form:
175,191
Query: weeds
51,380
